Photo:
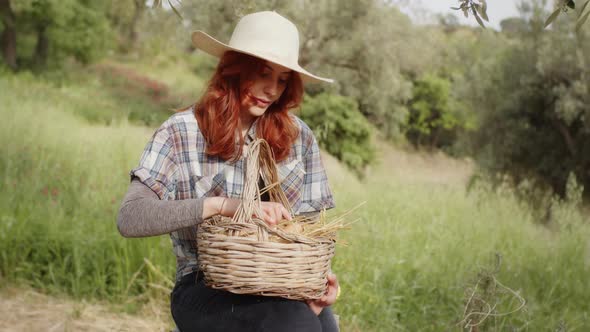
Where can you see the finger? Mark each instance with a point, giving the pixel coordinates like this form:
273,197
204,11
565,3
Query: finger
285,213
331,292
279,212
276,216
270,218
328,300
273,210
332,280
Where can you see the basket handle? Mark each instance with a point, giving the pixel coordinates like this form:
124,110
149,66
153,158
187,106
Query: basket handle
259,162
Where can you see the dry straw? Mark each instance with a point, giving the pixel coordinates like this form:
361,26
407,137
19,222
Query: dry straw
484,299
244,255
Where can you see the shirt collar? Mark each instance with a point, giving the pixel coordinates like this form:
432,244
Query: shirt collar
251,134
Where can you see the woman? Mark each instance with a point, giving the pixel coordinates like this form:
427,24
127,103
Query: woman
192,169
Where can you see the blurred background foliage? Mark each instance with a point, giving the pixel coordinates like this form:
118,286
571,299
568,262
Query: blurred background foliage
515,100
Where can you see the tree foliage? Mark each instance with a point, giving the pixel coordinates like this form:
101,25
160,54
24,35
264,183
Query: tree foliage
478,8
340,129
47,31
566,5
533,104
435,115
368,46
516,99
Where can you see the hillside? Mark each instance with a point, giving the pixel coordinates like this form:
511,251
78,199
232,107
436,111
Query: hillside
420,242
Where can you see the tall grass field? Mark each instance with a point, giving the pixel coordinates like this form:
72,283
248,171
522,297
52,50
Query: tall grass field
422,256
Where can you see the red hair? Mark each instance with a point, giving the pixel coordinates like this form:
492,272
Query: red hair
218,110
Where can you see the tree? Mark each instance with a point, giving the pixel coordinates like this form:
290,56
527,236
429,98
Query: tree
448,21
514,26
8,35
435,117
40,16
126,16
533,101
65,28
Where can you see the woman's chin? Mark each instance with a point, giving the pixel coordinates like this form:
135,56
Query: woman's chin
257,111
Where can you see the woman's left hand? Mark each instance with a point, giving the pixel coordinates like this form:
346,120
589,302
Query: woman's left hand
328,299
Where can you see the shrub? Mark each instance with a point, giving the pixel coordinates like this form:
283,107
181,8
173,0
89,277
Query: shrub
340,129
435,116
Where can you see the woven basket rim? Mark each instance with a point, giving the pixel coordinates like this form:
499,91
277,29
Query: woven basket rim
245,248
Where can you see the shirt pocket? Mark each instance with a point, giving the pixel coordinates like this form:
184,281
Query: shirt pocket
291,175
208,185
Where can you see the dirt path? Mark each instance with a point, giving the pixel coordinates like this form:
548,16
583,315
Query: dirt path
25,310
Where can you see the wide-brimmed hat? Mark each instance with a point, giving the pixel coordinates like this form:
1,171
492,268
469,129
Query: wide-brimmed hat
265,35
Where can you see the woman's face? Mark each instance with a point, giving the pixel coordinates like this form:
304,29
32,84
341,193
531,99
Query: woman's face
267,87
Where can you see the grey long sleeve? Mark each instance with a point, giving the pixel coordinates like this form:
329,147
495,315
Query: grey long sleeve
142,213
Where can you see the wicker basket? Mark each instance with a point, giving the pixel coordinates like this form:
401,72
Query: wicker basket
243,255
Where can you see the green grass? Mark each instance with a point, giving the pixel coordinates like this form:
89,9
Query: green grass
62,181
419,247
409,261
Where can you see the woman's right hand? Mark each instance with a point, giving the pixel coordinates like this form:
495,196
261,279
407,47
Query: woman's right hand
272,212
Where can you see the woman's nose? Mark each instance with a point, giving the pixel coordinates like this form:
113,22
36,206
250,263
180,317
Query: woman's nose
271,88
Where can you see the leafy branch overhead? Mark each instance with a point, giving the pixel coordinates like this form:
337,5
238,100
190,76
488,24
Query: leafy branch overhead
159,3
564,6
478,9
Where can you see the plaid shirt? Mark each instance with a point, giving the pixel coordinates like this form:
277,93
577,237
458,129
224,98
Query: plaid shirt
175,166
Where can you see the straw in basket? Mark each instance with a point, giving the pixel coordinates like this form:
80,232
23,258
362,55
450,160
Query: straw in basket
244,255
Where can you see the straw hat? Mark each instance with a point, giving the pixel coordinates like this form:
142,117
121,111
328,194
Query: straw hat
265,35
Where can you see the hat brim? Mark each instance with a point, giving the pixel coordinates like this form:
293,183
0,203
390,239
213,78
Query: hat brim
216,48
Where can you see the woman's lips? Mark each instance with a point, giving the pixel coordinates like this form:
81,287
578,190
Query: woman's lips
261,102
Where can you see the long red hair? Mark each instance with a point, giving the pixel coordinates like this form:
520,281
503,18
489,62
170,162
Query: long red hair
218,110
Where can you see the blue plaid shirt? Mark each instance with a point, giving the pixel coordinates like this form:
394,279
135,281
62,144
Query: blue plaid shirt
175,166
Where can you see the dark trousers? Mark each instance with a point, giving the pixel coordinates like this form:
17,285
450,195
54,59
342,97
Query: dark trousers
196,307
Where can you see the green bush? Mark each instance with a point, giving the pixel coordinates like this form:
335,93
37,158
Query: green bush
68,29
340,129
435,117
